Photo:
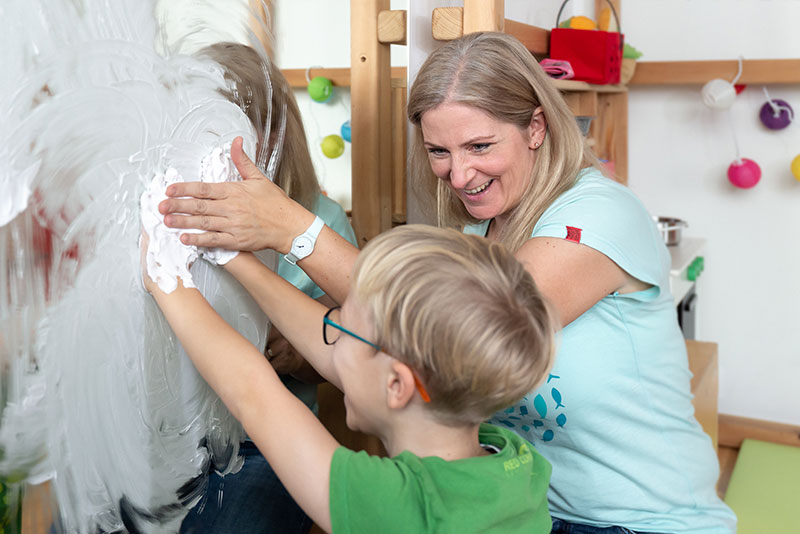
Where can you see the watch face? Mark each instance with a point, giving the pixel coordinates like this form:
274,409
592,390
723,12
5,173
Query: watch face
302,247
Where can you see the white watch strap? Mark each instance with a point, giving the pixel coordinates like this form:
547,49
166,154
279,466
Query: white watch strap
311,234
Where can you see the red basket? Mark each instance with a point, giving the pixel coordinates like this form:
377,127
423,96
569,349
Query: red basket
595,56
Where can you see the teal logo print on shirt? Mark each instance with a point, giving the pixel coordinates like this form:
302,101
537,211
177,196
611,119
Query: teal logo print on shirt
537,417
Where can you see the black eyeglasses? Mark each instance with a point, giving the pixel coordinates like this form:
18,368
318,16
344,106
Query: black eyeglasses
330,334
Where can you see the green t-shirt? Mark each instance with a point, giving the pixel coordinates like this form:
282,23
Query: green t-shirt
505,492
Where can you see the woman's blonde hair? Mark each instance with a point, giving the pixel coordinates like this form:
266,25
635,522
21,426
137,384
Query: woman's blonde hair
462,312
495,73
245,70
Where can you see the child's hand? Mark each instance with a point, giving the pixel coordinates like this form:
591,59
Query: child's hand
147,282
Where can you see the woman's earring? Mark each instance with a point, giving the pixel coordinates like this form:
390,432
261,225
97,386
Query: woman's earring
536,144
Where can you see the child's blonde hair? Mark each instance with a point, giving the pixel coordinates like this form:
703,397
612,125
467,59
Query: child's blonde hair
245,68
462,312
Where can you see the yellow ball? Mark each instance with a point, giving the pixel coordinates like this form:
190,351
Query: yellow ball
332,146
582,23
796,167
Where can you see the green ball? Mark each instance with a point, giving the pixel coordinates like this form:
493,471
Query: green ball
332,146
320,89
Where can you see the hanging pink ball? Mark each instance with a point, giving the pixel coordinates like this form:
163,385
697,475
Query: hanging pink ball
779,121
744,173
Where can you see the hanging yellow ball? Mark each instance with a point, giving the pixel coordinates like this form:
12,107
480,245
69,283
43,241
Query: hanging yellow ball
332,146
796,167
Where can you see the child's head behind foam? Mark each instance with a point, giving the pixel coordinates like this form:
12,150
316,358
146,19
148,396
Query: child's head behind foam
462,312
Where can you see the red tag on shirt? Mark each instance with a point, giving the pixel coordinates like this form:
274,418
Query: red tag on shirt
573,234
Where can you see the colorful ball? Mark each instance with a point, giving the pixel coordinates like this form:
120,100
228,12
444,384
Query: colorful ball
332,146
796,167
744,173
777,121
346,131
320,89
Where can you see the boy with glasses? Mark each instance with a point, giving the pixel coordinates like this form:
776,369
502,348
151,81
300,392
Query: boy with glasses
435,336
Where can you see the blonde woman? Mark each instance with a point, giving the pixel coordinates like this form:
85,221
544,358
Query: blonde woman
253,500
499,154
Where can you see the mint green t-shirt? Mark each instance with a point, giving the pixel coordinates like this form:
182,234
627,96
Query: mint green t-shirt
615,416
334,217
503,493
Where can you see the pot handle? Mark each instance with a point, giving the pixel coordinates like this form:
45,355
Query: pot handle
675,226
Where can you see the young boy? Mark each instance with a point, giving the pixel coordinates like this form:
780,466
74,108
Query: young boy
438,332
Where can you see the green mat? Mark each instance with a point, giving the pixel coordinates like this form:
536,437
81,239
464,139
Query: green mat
764,489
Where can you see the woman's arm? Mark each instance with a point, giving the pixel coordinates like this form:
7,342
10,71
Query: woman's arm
574,277
255,214
292,439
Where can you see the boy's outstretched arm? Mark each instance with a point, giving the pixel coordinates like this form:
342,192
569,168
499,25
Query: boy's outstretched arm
295,314
291,438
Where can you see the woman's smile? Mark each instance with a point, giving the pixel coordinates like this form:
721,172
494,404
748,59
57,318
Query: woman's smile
487,163
479,189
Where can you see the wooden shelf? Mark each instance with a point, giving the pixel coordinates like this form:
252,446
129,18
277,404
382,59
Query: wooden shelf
574,86
339,76
754,71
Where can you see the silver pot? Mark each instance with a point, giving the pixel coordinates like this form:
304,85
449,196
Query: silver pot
671,229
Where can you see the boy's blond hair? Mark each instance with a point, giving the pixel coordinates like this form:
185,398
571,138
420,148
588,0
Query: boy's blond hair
245,68
462,312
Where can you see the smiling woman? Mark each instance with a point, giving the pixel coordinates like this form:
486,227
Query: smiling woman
498,153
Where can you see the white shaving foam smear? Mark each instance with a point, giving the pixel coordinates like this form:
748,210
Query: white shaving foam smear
168,258
96,393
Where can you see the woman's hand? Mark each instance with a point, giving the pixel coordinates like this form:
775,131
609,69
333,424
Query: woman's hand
253,214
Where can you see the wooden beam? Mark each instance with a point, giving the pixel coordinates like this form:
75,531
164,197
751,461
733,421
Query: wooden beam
535,39
399,151
392,27
754,71
733,429
610,130
483,16
447,23
705,385
261,23
370,105
599,5
339,76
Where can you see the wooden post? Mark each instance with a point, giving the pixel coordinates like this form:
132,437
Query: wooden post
261,23
483,16
399,149
370,97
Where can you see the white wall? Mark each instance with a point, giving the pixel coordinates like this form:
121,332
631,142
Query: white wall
679,152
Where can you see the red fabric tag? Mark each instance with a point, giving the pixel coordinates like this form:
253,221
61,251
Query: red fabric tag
573,234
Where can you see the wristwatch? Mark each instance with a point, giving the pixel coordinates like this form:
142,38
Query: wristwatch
303,245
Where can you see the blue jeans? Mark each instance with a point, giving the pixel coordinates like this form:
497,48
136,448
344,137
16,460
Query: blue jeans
565,527
253,501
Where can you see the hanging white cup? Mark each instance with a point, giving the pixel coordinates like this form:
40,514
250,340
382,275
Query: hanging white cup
719,94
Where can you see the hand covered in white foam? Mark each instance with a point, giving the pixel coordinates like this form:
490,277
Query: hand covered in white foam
166,257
